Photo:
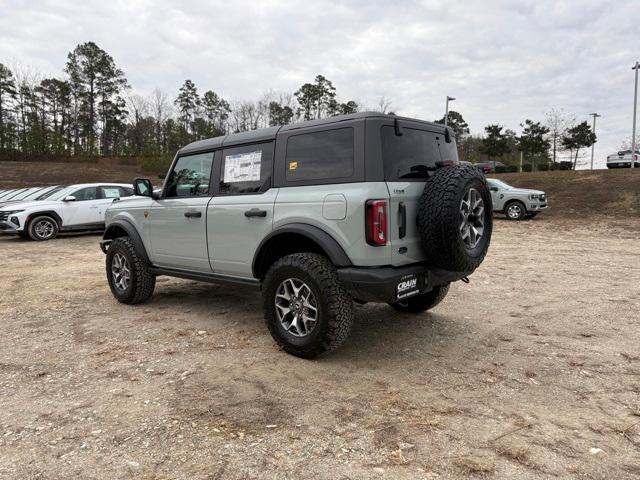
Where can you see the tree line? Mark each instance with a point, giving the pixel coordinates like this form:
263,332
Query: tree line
91,111
538,144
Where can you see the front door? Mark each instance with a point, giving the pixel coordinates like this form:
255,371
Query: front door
84,210
177,222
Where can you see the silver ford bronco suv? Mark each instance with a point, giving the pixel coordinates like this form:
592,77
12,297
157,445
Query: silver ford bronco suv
317,215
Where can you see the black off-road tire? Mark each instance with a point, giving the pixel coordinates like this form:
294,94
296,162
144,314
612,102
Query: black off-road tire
522,211
142,281
423,302
335,307
42,219
439,218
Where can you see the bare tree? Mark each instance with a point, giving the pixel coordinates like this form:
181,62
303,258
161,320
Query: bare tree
161,108
558,122
626,144
384,105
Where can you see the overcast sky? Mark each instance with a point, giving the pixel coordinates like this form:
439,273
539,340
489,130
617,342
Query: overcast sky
504,61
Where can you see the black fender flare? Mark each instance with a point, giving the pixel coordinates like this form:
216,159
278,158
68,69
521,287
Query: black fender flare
334,251
132,233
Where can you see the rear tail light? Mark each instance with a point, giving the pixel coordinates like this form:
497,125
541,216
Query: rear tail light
376,222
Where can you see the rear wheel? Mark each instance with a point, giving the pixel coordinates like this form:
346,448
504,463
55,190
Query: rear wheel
43,228
515,211
307,310
424,302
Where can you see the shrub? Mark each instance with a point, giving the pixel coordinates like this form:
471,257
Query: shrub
543,167
527,167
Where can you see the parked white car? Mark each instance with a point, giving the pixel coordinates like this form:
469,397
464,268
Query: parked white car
622,159
73,208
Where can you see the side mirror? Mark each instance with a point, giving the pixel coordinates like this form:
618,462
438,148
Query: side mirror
142,187
69,198
494,189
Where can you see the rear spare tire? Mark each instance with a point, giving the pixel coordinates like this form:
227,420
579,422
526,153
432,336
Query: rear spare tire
455,218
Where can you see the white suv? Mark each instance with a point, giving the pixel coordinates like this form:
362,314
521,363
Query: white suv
76,207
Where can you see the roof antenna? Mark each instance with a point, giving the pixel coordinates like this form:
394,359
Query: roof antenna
397,128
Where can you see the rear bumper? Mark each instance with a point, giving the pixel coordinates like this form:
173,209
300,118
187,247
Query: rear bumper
391,284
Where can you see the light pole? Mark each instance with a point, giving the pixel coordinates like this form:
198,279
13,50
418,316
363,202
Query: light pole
636,67
446,110
594,115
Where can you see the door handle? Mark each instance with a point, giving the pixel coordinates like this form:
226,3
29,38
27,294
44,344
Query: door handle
193,214
255,212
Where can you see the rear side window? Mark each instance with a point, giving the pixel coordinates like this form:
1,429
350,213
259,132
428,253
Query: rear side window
190,176
409,156
246,169
320,155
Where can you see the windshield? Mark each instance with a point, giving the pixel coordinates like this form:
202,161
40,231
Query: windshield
49,193
60,194
28,194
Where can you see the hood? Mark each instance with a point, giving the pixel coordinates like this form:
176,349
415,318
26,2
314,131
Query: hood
526,191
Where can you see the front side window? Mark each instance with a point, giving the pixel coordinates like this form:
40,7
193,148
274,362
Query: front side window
410,155
246,169
320,155
190,176
84,194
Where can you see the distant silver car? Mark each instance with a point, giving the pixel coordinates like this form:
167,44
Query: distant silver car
516,203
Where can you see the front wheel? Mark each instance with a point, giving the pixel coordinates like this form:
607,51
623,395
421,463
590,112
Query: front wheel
307,310
515,211
43,228
129,278
423,302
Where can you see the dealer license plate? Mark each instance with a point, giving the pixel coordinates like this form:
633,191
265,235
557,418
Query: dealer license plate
408,286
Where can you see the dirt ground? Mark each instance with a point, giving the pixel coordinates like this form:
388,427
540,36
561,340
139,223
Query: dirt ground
530,371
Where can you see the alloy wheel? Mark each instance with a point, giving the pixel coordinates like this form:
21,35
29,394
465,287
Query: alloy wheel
471,218
120,272
296,307
44,229
514,211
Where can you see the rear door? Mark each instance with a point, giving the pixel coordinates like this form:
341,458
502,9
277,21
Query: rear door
408,159
240,215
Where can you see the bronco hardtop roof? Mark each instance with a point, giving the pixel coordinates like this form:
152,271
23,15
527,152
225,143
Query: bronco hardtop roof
266,134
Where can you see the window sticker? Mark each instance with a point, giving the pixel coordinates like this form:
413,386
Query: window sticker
111,192
242,167
293,165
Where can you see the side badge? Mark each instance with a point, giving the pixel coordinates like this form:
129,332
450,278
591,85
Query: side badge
146,214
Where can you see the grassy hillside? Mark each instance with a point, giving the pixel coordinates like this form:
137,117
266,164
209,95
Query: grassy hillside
614,193
25,174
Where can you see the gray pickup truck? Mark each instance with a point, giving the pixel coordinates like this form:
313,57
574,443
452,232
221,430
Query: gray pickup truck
516,203
318,215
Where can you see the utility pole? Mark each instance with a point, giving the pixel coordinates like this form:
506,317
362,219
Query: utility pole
636,67
594,115
446,110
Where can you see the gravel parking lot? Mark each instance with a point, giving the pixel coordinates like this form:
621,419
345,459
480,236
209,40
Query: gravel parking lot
530,371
